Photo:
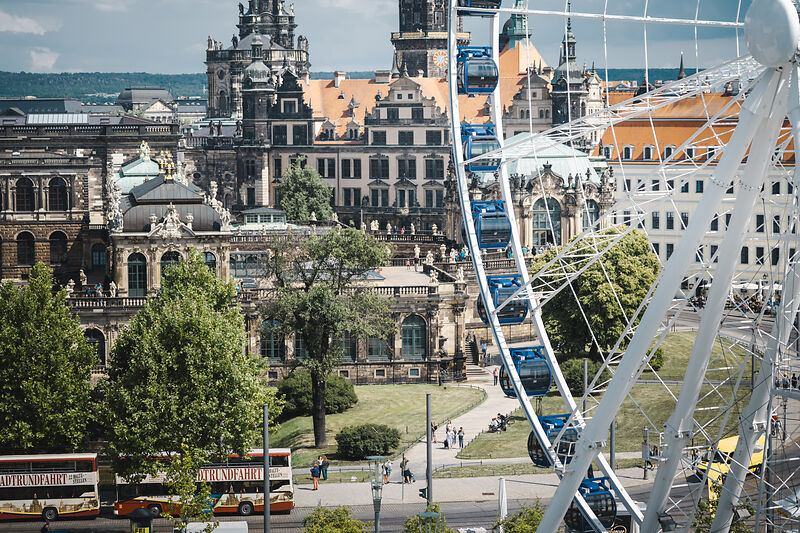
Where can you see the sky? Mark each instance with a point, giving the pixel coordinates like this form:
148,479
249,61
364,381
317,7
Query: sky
170,36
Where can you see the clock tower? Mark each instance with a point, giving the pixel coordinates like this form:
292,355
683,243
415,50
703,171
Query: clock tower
421,43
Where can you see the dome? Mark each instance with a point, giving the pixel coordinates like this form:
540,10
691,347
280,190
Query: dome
257,71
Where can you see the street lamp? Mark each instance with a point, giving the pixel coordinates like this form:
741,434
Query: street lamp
376,461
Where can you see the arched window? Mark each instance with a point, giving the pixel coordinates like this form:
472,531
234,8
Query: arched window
58,248
98,257
26,200
168,260
137,275
542,232
98,341
273,342
211,261
222,104
413,338
57,195
591,213
26,251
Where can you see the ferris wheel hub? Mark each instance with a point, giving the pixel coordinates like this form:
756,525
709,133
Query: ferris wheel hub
772,30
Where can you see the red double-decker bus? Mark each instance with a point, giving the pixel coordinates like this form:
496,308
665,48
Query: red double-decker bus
237,486
49,486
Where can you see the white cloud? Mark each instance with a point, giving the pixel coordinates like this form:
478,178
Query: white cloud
15,24
110,6
43,59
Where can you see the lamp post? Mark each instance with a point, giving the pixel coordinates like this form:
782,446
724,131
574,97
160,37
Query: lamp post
377,488
429,519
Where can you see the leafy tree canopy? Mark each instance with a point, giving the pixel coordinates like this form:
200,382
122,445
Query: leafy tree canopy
631,268
45,369
321,296
525,521
180,380
325,520
304,193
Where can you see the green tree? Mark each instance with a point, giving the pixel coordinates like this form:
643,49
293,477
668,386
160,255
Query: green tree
325,520
180,382
631,267
303,193
525,521
415,524
45,369
321,297
707,509
340,395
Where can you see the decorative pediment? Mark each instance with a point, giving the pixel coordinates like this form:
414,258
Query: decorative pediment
378,184
171,226
431,184
405,184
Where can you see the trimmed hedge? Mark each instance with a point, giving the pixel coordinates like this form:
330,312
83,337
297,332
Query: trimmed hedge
340,395
359,442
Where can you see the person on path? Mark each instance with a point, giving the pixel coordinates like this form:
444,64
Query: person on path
434,427
404,470
461,437
324,464
495,373
387,470
451,438
315,476
794,380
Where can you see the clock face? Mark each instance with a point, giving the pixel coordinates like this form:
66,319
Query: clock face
440,58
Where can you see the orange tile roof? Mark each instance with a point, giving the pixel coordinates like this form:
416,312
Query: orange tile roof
330,102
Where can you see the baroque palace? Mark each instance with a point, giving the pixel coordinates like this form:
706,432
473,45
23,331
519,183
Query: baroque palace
110,201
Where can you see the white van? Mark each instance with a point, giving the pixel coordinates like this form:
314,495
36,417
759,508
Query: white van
223,527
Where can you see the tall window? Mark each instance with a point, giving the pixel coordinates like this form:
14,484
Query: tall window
211,261
413,338
98,257
379,137
97,341
300,351
26,201
26,254
655,219
433,138
58,248
405,138
273,343
57,195
300,134
407,168
670,220
542,232
279,135
745,255
591,213
759,223
377,348
434,169
349,346
168,260
379,168
137,275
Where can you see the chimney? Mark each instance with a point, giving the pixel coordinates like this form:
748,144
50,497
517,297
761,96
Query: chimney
338,77
383,76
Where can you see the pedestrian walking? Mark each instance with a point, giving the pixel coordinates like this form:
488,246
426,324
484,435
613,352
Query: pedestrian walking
434,427
461,437
404,470
315,476
496,374
323,465
794,380
387,470
451,438
484,348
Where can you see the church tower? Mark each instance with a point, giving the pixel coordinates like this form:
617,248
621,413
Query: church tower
421,43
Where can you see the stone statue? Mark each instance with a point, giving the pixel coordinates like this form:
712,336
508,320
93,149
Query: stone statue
82,277
239,130
460,275
434,277
363,226
291,9
112,288
435,230
210,43
313,216
114,213
443,251
388,228
211,200
413,229
429,258
374,226
70,288
235,42
241,9
453,255
416,251
171,227
334,217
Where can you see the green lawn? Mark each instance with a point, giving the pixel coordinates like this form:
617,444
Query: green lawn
400,406
653,400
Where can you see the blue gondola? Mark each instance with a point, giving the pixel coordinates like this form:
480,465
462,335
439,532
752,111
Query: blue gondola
600,499
533,369
491,224
477,71
478,140
480,4
566,446
501,288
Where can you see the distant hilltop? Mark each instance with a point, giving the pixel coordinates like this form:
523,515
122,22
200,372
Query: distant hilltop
103,87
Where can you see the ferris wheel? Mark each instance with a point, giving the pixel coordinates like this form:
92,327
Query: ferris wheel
734,415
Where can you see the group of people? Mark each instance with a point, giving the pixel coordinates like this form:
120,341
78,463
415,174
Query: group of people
498,423
319,468
786,382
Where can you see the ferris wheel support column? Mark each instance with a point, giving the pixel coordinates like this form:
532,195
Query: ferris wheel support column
754,418
753,115
680,426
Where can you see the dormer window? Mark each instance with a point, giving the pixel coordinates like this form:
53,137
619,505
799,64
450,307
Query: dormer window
669,151
627,153
399,96
690,152
648,153
608,151
711,152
